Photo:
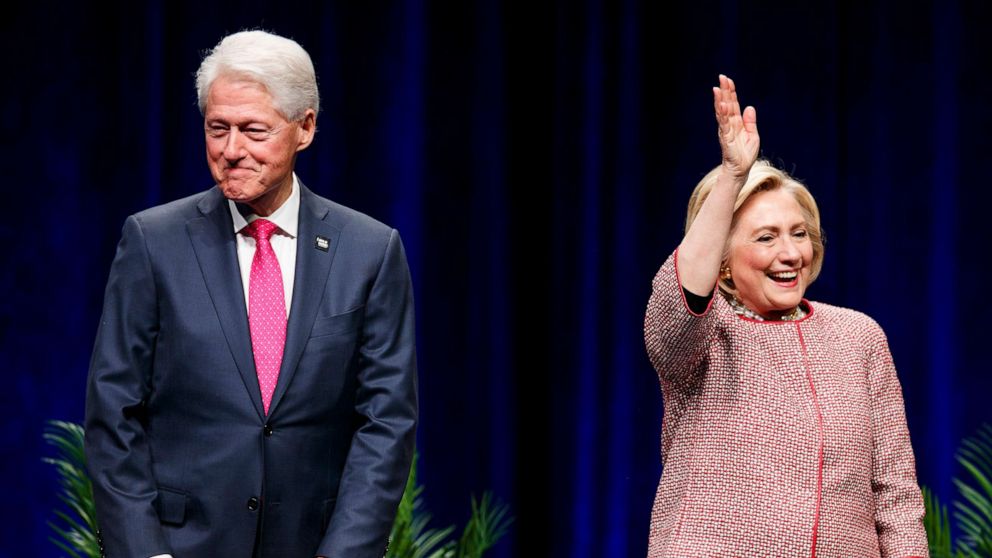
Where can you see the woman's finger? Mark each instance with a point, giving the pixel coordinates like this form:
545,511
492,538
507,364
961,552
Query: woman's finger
751,120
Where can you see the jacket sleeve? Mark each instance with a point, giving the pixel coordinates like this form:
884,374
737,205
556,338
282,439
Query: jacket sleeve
898,501
674,335
116,443
378,462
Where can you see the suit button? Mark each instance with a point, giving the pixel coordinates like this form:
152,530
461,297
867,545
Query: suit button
267,430
252,503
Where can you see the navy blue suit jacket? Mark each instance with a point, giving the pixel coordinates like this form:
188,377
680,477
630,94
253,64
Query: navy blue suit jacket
182,456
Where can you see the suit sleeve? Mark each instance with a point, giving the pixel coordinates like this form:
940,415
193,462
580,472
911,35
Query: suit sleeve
119,384
378,462
898,501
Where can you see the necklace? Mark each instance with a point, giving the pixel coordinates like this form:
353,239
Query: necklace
796,313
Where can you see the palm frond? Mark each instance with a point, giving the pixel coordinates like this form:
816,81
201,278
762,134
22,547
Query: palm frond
974,512
487,524
410,537
938,526
432,542
63,545
76,531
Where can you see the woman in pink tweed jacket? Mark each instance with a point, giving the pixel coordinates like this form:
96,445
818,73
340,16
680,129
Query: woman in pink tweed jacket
784,430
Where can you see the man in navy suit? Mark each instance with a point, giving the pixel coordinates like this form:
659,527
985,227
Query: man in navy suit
252,391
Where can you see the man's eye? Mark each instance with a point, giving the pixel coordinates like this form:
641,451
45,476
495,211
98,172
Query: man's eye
256,133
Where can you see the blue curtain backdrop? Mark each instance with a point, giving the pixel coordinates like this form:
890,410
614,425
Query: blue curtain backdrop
537,158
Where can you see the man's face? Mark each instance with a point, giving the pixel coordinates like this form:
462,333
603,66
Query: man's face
251,147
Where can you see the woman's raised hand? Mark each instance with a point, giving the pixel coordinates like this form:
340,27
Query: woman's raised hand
738,131
701,252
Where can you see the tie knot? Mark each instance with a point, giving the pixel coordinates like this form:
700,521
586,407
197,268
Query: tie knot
260,229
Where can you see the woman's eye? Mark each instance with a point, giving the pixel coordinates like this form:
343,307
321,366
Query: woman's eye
766,238
800,234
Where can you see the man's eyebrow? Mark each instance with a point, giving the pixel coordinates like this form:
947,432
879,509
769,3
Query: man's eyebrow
236,122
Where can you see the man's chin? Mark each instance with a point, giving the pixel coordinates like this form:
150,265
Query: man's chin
237,193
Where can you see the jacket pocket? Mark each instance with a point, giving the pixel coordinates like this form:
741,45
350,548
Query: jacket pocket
171,506
339,323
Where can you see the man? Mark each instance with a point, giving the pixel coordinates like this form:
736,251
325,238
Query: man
252,390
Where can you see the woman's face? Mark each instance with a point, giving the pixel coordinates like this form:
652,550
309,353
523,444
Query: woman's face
770,253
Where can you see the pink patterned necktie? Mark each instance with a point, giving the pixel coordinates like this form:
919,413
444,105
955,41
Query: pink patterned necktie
266,309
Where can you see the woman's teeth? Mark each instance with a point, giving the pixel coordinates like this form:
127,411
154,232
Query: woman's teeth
783,275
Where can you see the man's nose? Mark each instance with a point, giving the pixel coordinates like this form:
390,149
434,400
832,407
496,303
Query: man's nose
234,147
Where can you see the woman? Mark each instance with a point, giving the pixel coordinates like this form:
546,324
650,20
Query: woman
784,430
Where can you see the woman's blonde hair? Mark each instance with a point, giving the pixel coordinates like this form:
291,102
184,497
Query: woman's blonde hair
763,178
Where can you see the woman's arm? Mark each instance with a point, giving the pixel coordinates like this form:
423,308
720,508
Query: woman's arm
676,332
701,251
898,502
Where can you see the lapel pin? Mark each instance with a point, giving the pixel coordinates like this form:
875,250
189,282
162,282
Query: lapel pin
322,243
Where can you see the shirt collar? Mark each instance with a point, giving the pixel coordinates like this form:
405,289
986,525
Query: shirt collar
287,217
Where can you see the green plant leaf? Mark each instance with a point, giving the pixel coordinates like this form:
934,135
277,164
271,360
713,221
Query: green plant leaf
486,525
76,532
64,547
973,512
431,541
410,537
937,526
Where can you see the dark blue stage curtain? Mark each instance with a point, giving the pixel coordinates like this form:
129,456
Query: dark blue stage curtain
537,158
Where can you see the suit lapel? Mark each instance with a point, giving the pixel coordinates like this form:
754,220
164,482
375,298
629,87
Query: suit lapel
216,251
312,267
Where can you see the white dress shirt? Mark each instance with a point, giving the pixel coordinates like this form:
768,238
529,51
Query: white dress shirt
283,241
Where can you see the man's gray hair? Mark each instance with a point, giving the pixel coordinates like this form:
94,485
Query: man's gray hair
277,63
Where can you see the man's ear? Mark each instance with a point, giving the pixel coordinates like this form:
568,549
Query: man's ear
306,130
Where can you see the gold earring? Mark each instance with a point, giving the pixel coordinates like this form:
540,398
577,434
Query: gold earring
725,273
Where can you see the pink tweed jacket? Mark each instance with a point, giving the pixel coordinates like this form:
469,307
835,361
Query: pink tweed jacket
779,438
